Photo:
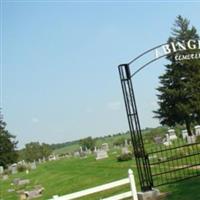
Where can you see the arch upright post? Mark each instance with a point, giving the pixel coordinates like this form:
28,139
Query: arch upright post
141,157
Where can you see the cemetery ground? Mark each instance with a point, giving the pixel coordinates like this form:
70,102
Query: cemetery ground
69,175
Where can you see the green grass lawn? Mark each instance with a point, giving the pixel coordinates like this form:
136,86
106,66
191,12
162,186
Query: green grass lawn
185,190
70,175
75,174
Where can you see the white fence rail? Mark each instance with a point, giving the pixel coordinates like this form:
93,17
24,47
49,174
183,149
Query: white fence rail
130,180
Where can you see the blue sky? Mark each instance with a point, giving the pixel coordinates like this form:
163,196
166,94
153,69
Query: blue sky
59,64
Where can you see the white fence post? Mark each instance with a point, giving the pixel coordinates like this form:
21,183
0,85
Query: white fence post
132,183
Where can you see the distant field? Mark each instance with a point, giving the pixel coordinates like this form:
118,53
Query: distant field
73,147
68,149
74,174
110,140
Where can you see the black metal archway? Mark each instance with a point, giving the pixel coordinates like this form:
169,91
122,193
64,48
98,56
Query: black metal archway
143,163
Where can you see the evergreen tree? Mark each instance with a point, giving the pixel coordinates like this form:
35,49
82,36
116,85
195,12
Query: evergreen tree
179,90
8,154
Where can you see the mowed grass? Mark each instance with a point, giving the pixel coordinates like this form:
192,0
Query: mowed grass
185,190
70,175
74,174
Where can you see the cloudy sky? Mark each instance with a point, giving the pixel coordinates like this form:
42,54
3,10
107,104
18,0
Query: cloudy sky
59,76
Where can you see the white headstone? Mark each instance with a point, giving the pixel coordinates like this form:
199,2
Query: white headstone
184,134
105,146
81,149
172,134
197,130
76,154
125,150
18,181
52,157
33,165
167,140
101,154
191,139
126,143
1,169
14,169
88,152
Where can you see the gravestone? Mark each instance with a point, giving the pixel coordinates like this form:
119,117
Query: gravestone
14,169
88,152
172,134
191,139
167,140
83,154
53,157
125,150
18,181
105,147
197,130
23,182
184,134
32,194
1,169
101,154
76,154
33,165
126,142
158,140
10,190
81,149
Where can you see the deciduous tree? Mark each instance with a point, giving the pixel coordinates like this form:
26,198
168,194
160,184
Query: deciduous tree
8,153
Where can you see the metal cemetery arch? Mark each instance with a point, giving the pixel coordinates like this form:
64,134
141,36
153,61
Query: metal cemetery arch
141,156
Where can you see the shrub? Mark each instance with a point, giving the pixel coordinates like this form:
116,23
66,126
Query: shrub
21,168
125,157
7,172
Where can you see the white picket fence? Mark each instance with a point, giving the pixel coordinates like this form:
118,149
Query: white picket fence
130,180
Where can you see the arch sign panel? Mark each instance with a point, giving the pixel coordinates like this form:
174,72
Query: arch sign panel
177,48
